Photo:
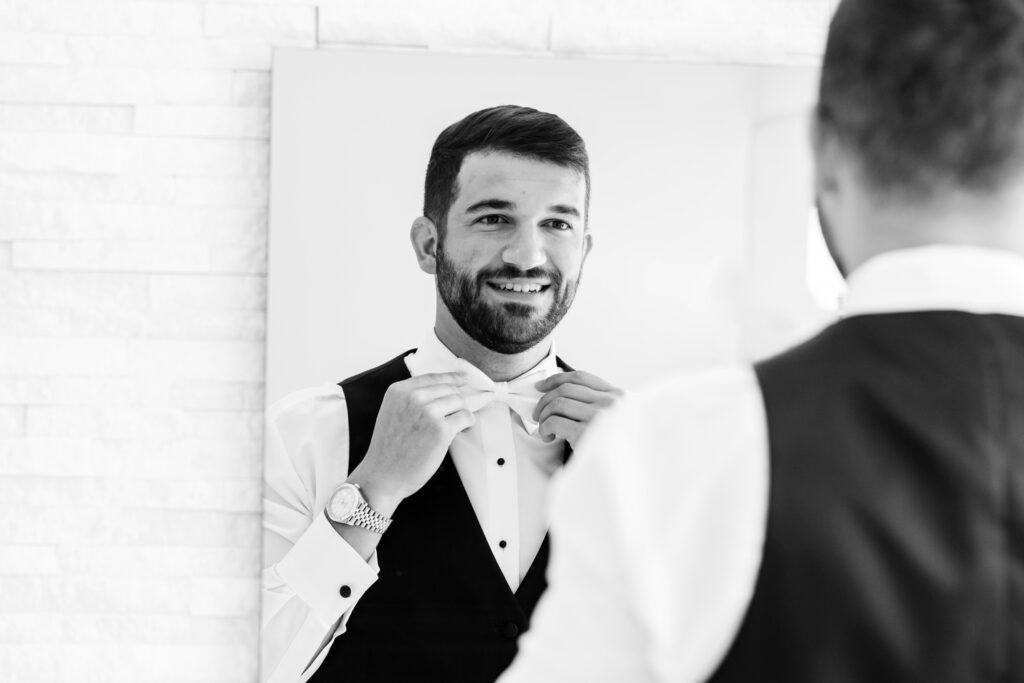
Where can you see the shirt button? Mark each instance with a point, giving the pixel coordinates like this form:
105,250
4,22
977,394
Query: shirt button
345,591
501,461
510,630
502,544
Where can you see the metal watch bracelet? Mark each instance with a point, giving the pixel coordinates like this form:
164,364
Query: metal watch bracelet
368,518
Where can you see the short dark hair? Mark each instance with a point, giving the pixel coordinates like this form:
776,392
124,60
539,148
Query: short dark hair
521,131
928,94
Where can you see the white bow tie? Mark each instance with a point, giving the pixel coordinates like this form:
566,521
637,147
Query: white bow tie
519,395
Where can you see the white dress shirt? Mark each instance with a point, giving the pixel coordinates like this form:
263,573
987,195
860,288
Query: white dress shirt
659,521
305,560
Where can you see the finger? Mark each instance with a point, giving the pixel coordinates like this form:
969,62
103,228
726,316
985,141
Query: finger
431,378
461,420
431,392
575,377
558,426
445,406
577,392
570,408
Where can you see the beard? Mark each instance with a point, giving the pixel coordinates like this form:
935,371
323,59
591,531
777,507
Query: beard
507,327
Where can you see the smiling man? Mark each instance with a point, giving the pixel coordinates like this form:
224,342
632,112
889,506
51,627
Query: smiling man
405,535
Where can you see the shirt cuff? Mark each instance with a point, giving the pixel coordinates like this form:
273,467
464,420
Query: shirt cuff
325,571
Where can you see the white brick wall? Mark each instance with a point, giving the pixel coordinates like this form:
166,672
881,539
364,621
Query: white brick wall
133,216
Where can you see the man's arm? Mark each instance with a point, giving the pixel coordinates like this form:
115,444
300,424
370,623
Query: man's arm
307,565
657,528
316,570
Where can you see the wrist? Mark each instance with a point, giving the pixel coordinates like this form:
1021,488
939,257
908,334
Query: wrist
378,495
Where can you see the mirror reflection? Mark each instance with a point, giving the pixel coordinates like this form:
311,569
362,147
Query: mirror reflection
542,234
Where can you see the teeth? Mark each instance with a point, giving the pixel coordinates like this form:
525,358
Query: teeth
509,287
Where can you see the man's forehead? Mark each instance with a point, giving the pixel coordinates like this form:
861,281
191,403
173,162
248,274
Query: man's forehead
514,175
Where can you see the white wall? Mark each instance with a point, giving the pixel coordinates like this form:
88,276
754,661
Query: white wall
133,213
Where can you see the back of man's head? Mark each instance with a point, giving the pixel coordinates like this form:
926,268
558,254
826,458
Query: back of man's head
511,129
927,95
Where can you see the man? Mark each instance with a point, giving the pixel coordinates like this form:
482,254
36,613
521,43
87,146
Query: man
405,535
853,509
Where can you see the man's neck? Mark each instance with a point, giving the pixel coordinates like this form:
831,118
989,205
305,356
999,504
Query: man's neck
500,367
953,218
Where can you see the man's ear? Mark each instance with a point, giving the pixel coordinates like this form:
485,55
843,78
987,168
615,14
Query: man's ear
827,157
588,243
830,165
424,238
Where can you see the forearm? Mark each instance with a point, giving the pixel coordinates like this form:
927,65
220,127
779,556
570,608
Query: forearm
307,593
381,498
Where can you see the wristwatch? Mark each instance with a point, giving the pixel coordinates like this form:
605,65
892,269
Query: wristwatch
347,506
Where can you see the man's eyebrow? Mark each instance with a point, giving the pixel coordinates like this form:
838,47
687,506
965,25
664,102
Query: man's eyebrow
495,204
564,208
505,205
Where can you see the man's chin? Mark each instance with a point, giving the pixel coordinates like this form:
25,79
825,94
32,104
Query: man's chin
509,350
523,311
507,327
512,333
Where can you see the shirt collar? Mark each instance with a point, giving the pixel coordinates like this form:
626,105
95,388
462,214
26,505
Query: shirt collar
433,356
938,277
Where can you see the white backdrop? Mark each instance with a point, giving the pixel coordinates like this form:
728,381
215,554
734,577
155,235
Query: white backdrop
701,187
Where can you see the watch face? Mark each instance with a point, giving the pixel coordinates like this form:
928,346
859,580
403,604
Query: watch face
342,503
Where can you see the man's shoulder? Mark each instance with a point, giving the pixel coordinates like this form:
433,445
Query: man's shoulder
682,439
684,412
305,429
306,402
700,387
326,398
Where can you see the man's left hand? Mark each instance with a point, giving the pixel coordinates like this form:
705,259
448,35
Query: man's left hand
570,401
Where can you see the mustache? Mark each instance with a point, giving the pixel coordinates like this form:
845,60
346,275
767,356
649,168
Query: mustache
509,272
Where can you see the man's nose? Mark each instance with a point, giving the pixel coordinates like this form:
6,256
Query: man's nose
526,250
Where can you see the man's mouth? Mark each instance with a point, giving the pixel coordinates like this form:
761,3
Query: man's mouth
518,287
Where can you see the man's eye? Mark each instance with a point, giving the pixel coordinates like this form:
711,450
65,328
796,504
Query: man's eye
560,225
492,219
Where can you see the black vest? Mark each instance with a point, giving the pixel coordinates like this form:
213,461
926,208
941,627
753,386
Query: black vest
441,609
895,536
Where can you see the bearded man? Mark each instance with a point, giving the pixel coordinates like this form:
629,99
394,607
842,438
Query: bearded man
404,527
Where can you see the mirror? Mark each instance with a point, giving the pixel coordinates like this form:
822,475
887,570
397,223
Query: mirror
700,205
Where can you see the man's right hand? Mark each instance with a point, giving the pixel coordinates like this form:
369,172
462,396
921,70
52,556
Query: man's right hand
417,422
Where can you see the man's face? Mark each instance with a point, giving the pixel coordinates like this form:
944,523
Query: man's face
511,257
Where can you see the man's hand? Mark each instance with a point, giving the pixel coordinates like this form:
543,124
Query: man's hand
416,424
571,400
